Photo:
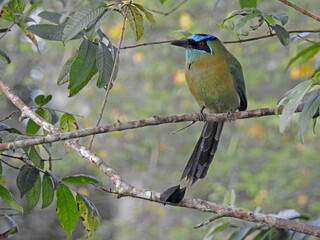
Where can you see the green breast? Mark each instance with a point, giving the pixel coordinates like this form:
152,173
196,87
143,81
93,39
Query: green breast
212,85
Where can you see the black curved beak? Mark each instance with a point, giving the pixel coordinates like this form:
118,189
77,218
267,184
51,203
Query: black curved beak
181,43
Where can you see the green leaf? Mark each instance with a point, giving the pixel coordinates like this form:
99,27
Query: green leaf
80,178
41,100
282,34
51,16
47,31
17,6
4,56
47,191
26,178
83,67
8,226
32,128
148,14
309,110
269,18
8,198
309,51
242,21
82,18
65,73
135,20
281,17
33,195
248,3
89,213
8,14
35,157
67,211
51,116
162,1
105,64
68,123
292,105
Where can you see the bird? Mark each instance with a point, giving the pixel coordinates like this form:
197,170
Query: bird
215,79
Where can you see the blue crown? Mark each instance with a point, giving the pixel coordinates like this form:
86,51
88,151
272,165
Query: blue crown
201,37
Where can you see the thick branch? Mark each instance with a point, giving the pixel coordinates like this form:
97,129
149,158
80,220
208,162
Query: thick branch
305,12
151,121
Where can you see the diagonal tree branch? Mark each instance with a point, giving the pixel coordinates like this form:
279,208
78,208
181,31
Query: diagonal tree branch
305,12
125,189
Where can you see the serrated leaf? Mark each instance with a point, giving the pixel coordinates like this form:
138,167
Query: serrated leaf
68,123
65,72
89,213
136,21
4,56
269,18
47,191
33,195
248,3
42,100
148,14
80,178
51,16
83,67
281,17
82,18
282,34
35,157
67,211
26,178
105,64
309,110
8,198
292,105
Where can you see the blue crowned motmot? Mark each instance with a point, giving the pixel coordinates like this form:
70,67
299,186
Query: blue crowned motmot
215,79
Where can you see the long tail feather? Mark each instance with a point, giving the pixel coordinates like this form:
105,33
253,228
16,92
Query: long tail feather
202,156
199,162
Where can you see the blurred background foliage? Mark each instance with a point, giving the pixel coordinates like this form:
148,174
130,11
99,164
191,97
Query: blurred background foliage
263,167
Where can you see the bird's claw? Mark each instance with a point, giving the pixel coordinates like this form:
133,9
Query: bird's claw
230,115
202,115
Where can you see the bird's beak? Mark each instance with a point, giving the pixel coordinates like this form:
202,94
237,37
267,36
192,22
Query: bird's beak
182,43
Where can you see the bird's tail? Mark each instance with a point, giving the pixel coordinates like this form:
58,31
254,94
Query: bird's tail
199,162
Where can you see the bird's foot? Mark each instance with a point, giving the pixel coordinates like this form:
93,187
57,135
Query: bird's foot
203,116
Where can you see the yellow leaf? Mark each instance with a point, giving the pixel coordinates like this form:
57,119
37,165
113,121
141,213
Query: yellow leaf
185,21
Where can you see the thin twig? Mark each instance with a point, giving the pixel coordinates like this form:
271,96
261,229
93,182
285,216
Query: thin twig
116,62
308,40
1,160
9,116
169,12
225,42
204,223
305,12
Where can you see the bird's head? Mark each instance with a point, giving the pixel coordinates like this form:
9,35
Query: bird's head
203,43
